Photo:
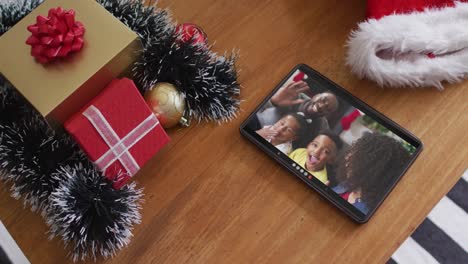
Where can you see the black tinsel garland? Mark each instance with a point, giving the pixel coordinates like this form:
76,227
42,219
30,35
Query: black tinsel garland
29,153
148,22
89,214
207,81
52,175
13,106
13,11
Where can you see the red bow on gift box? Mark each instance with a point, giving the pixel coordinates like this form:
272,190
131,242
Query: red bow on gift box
56,35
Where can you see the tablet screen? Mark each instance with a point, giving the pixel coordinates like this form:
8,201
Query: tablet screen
334,140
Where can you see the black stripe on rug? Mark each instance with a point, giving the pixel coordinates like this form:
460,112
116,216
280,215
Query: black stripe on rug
458,194
439,244
391,261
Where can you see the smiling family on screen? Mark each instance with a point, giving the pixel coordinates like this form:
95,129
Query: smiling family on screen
332,141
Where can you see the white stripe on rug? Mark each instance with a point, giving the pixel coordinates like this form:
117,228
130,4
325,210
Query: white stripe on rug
410,252
465,176
452,219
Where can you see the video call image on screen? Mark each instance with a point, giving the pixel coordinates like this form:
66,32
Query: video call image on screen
332,141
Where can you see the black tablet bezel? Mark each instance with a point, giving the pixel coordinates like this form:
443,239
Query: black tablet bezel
314,183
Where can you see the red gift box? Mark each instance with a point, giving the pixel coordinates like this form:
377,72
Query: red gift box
118,131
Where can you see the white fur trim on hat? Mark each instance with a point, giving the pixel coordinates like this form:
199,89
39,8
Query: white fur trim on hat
394,50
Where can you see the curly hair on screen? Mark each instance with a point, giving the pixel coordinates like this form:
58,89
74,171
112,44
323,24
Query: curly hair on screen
372,164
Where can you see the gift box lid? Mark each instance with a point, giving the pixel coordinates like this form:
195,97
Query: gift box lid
105,51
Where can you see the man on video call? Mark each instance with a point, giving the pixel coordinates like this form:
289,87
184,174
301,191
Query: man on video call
288,100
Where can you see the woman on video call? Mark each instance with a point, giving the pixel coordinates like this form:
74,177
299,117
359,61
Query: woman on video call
369,168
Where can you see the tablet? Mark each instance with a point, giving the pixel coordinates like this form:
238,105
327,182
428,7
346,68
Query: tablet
335,143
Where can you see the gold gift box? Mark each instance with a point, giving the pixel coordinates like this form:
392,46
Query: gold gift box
61,88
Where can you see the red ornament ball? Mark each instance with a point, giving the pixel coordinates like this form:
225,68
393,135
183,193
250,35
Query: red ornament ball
55,36
191,32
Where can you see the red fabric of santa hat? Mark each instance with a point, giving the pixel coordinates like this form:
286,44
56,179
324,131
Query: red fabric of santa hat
415,43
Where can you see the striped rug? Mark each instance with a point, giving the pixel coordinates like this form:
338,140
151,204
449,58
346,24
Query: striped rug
443,236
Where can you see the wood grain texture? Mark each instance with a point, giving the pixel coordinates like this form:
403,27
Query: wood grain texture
212,197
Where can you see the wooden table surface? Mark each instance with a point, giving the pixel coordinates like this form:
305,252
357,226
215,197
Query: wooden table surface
213,197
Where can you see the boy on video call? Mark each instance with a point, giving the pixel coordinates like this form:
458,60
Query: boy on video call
322,150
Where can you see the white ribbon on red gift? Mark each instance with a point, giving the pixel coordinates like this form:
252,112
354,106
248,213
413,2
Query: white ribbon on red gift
118,147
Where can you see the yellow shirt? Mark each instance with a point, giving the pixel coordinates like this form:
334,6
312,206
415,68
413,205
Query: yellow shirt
300,157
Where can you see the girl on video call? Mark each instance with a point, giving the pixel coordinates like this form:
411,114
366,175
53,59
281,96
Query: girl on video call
282,133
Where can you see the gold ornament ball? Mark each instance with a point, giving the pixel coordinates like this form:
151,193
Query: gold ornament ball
166,103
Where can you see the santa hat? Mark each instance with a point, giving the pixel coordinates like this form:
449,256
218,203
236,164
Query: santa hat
411,43
347,120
